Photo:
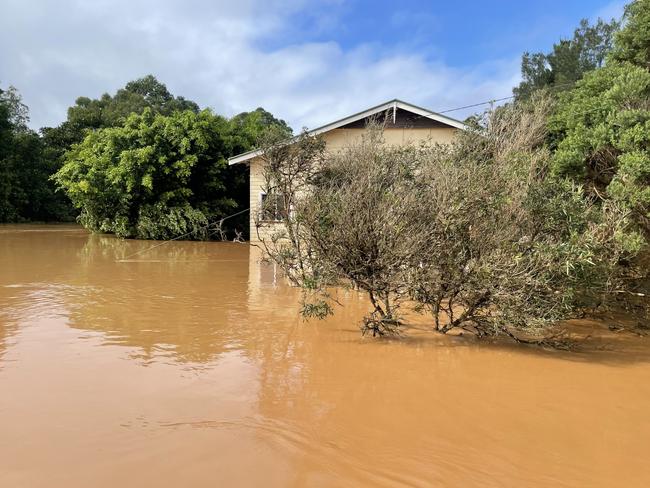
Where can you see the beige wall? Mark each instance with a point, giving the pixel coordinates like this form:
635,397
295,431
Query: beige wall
256,187
338,139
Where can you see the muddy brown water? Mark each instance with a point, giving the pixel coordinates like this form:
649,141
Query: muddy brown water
188,365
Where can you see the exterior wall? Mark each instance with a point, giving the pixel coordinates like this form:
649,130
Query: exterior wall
338,139
256,187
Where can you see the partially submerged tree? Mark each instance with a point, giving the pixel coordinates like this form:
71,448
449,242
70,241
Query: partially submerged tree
289,168
157,177
510,249
478,233
348,220
362,223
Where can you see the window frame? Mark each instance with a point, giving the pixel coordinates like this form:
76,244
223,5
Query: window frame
262,215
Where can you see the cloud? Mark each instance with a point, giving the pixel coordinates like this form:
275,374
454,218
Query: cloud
218,54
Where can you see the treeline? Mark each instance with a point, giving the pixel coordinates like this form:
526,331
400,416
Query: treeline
27,161
140,163
536,213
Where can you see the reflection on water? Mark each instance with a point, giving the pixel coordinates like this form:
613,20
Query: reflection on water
187,365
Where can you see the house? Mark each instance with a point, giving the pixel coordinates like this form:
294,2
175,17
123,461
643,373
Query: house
404,123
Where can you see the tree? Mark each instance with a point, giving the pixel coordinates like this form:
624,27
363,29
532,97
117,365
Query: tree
288,169
8,211
17,113
90,114
250,128
603,131
156,177
25,190
509,248
569,60
27,161
112,110
633,41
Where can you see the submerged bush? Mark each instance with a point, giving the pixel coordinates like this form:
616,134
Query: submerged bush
479,233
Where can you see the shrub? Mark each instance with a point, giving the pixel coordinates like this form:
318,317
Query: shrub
479,233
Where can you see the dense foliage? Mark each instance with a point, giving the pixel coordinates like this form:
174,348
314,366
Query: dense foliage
601,130
112,110
156,176
569,59
177,154
633,42
478,233
26,193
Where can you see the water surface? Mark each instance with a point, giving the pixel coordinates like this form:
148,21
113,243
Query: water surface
187,365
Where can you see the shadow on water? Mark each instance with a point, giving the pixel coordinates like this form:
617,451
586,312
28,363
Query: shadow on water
607,340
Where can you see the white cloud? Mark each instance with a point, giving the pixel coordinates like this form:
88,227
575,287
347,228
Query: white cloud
214,53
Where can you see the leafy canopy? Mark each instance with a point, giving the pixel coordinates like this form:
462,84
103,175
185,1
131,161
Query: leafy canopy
569,59
155,177
601,130
112,110
25,190
633,41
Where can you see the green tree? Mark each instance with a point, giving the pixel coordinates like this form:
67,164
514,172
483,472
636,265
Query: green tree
247,129
27,161
8,211
569,59
156,176
26,193
633,41
112,110
601,131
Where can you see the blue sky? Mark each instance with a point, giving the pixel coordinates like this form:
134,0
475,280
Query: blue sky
307,61
460,33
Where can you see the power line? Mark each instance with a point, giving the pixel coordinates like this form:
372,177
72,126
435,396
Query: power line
475,104
495,100
162,243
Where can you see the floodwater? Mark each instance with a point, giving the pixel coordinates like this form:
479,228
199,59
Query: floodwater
187,365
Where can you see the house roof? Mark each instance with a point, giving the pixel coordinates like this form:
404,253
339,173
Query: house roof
392,104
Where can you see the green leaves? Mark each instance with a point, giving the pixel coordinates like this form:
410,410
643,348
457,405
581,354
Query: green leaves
569,59
139,147
603,129
137,180
26,193
633,41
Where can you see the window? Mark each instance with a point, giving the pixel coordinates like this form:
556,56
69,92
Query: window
272,207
